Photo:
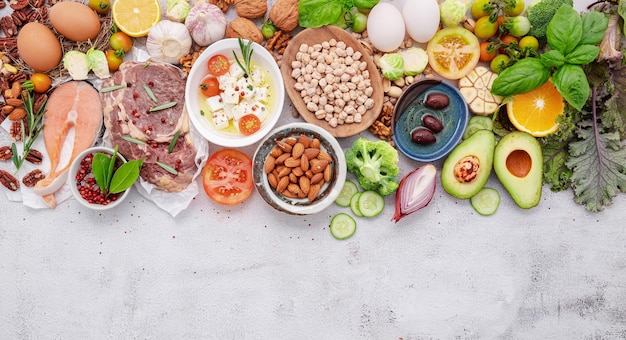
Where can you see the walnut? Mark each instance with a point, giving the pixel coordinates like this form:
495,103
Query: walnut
284,14
250,9
278,42
244,28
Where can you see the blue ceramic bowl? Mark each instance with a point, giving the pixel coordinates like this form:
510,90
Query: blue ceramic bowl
409,111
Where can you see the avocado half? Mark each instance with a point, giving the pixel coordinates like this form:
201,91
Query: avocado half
468,166
518,163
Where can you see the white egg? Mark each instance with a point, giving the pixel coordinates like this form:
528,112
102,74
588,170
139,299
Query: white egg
385,27
421,18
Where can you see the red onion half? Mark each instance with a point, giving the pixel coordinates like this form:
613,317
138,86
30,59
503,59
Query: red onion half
416,190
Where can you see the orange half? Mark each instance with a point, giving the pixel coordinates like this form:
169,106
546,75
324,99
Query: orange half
536,111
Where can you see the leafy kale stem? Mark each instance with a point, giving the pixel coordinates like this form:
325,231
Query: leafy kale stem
596,133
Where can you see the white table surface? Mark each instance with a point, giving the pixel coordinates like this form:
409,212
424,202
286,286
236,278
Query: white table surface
553,272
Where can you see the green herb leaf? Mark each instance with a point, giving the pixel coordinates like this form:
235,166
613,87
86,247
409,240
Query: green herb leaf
565,29
149,92
571,82
113,88
582,55
133,140
524,76
246,53
126,175
167,168
553,58
163,106
594,25
100,169
111,169
173,142
317,13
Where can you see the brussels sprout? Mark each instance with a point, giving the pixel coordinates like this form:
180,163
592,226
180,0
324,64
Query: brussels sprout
392,65
177,10
75,62
97,61
452,12
415,60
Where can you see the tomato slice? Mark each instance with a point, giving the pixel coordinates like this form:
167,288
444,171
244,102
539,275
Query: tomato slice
453,52
227,177
218,65
210,86
249,124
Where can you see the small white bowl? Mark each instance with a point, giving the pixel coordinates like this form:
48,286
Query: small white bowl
328,192
200,70
75,166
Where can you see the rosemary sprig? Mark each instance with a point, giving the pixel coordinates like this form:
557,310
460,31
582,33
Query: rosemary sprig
34,129
167,168
246,53
173,142
133,140
113,88
163,106
149,92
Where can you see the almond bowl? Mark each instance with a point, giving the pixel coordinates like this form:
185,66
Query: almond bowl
311,188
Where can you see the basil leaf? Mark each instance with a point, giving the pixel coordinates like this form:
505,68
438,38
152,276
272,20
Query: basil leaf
317,13
583,55
552,58
126,175
100,169
565,29
594,25
572,84
524,76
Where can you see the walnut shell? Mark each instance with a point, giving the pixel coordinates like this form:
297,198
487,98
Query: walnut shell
250,9
284,14
244,28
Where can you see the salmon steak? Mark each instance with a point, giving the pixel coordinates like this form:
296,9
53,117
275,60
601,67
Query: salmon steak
73,109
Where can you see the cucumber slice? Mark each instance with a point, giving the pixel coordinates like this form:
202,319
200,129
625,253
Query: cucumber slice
354,204
371,203
342,226
476,123
486,201
347,191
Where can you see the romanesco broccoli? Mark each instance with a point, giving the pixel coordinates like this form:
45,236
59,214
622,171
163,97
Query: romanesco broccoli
375,165
540,12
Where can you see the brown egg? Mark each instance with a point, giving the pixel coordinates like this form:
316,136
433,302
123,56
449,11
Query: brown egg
74,20
39,47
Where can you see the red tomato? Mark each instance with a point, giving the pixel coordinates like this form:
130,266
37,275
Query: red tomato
485,55
218,65
210,86
227,177
249,124
507,40
113,60
121,41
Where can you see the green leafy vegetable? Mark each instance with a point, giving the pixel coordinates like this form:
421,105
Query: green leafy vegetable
552,58
582,55
523,76
317,13
594,25
111,180
392,65
571,82
565,30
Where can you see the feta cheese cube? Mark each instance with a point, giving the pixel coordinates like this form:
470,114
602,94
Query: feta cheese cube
257,76
246,89
260,94
227,82
215,103
230,96
228,110
240,110
219,119
261,111
235,71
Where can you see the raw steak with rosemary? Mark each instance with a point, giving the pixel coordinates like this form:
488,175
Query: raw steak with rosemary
146,119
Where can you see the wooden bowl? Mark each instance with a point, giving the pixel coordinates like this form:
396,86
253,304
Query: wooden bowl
312,36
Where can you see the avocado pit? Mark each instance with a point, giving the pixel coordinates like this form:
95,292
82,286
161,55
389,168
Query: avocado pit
519,163
466,169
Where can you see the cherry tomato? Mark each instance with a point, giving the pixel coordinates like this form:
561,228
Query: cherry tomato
113,60
100,6
478,8
41,82
121,41
516,9
484,28
359,22
210,86
529,42
499,63
249,124
227,176
507,40
487,53
218,65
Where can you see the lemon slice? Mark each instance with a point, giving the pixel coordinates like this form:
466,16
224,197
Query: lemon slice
136,17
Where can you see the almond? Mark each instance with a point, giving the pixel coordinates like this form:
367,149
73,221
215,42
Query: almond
311,152
317,178
292,162
328,173
283,171
270,164
313,192
297,171
298,150
281,159
305,184
283,146
7,109
276,151
282,184
15,102
291,141
318,165
315,143
304,140
17,114
294,188
271,178
304,163
324,155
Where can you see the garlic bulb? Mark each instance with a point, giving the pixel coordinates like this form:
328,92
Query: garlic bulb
206,23
168,41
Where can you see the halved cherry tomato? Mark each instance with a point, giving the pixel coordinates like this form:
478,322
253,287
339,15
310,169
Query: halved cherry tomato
249,124
227,177
218,65
210,86
41,82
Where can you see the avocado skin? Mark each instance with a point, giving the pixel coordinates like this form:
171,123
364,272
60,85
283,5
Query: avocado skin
481,144
525,191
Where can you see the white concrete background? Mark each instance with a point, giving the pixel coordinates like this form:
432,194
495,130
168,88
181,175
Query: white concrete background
249,272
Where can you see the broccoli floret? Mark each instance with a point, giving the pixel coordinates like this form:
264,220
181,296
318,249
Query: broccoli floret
540,12
375,165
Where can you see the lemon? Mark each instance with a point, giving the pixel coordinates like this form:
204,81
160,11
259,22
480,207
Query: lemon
136,17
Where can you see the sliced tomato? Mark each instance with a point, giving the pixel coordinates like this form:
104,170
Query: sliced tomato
453,52
218,65
249,124
227,176
210,86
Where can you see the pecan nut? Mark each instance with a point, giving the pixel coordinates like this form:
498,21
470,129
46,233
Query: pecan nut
34,156
6,153
9,181
16,5
31,178
16,130
8,26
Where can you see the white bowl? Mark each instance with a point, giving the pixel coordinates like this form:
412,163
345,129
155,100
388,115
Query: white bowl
200,70
328,192
75,166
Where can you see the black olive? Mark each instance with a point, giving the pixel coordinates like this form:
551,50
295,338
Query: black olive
423,136
437,101
432,123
